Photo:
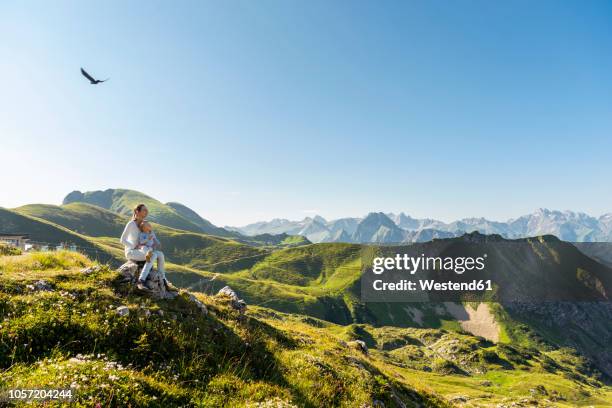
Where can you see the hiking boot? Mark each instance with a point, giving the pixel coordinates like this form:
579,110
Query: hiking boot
141,286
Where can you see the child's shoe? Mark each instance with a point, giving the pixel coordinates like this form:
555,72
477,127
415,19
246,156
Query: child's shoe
170,287
148,256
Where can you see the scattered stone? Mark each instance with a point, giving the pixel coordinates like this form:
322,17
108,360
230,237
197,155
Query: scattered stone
538,390
375,404
122,311
41,285
199,304
359,345
91,269
459,398
145,310
272,403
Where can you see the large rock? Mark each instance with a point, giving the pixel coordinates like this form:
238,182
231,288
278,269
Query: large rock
236,303
130,272
359,345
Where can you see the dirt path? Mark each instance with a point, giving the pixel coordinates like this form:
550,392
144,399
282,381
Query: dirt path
479,322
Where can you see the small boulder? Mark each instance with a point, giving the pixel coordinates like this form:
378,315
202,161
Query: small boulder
91,269
236,303
459,399
41,285
227,291
359,345
122,311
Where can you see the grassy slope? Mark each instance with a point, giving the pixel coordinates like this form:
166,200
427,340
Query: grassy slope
322,281
180,247
167,353
467,370
72,335
44,231
204,225
317,280
83,218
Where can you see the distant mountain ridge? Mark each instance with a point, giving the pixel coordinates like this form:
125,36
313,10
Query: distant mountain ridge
78,207
401,228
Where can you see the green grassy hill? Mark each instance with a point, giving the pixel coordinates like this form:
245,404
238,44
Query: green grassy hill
78,207
323,281
83,218
123,201
45,232
168,353
100,228
274,240
204,225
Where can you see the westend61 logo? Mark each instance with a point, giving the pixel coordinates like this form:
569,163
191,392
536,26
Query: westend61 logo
413,264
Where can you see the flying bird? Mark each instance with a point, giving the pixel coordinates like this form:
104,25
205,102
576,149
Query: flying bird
91,79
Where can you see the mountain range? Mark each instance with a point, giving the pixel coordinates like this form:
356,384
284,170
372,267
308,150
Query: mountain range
389,228
375,227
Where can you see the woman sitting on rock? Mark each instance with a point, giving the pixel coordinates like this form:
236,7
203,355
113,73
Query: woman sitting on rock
136,252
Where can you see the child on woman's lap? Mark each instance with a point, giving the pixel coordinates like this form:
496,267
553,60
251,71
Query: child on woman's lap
149,242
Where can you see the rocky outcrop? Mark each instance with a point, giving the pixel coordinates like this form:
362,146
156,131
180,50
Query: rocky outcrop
155,285
359,345
236,303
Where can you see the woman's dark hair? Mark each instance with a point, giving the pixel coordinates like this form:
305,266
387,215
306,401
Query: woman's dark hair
137,209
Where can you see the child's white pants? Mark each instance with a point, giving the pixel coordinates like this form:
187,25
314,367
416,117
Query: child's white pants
161,266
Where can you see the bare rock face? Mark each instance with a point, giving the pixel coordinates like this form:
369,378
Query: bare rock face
236,303
156,287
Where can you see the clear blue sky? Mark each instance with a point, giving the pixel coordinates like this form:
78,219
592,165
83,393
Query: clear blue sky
249,110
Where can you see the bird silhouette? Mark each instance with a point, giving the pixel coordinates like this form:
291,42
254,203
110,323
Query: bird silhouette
91,79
